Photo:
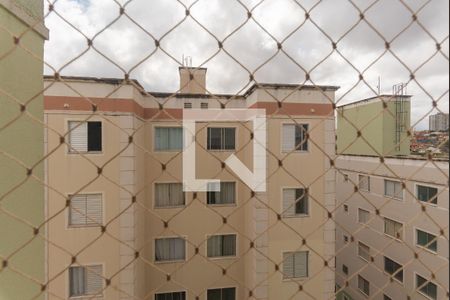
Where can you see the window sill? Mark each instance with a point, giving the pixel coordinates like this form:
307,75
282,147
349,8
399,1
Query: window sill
87,297
286,152
84,226
86,153
425,295
170,207
297,217
221,150
299,279
393,237
427,250
168,262
218,258
222,205
393,278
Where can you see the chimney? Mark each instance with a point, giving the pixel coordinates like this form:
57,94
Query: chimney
192,80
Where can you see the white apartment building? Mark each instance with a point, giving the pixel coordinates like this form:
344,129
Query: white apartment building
439,122
392,228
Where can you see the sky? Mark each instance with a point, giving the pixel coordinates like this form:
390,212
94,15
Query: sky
126,44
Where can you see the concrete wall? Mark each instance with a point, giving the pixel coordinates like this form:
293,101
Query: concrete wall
21,147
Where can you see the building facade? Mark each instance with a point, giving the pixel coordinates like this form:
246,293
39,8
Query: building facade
121,227
439,122
375,126
392,228
22,230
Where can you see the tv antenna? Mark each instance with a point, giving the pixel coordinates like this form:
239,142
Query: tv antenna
187,61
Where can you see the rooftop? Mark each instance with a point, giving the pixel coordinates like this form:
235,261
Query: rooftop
375,99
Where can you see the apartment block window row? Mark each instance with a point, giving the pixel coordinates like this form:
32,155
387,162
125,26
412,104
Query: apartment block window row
295,264
222,139
86,210
170,249
295,137
426,288
427,194
363,285
85,281
426,240
295,202
393,189
226,196
393,228
171,296
393,268
169,195
222,294
364,183
85,137
168,139
222,246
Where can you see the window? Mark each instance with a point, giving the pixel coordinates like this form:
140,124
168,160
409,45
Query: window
363,285
226,195
393,189
363,216
295,137
170,249
295,264
426,240
171,296
393,268
346,238
386,297
346,177
85,281
426,287
204,105
222,246
393,228
85,136
221,138
169,195
345,269
168,139
364,251
427,194
364,183
222,294
187,105
346,208
86,210
295,202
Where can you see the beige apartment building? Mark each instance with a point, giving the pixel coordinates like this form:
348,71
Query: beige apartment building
121,227
392,228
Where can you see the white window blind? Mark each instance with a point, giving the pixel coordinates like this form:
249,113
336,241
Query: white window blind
170,249
295,202
222,245
226,195
364,183
295,137
393,228
78,136
363,216
85,281
86,210
295,264
393,189
169,195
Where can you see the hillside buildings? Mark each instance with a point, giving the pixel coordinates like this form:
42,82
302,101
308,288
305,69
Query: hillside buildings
121,226
22,227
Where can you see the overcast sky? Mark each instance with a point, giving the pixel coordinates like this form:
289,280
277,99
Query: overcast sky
128,42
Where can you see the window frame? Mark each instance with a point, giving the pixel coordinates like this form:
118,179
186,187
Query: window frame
359,216
86,226
236,138
391,275
359,288
224,204
296,216
308,267
155,127
162,293
174,261
390,236
224,288
100,295
359,252
308,144
416,275
416,188
369,183
416,240
236,246
155,207
393,197
70,151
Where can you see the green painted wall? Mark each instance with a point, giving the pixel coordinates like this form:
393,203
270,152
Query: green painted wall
377,126
22,197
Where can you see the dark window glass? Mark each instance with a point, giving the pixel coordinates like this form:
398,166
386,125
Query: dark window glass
427,194
171,296
345,269
301,204
426,287
386,297
393,268
222,294
301,140
221,138
94,136
427,240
